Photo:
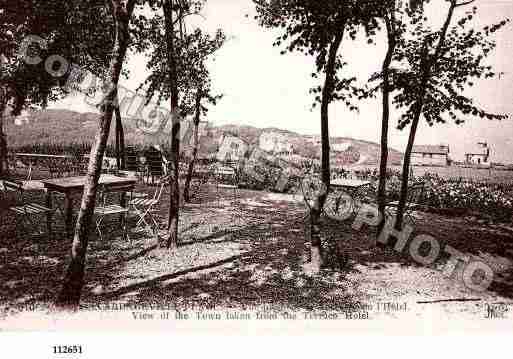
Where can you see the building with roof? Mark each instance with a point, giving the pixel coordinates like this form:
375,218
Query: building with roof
479,155
276,143
430,155
231,148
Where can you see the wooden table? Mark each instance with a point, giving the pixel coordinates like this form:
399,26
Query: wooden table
71,185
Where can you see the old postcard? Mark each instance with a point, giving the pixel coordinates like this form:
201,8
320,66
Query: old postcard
256,166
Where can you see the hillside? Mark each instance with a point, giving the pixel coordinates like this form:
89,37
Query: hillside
63,126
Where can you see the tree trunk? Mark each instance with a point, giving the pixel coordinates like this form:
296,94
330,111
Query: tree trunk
3,138
320,197
120,141
405,176
117,150
174,194
383,164
70,294
419,105
190,170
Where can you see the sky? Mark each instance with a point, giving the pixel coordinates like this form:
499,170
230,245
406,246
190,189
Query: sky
265,89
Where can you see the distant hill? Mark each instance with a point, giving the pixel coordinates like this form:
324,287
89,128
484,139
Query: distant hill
367,153
63,127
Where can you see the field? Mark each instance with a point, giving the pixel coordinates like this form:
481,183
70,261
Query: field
474,174
455,173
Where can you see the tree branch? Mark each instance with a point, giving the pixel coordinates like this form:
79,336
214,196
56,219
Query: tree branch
463,3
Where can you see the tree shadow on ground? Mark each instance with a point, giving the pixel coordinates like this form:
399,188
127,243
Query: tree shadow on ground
264,266
269,273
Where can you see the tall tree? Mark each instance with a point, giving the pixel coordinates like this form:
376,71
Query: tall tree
173,69
391,30
318,29
3,138
199,90
203,94
170,7
440,66
392,17
70,294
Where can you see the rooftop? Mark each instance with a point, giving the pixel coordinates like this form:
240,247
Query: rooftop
432,149
478,150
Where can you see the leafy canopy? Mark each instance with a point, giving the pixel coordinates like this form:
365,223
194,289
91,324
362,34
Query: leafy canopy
310,27
81,32
460,63
191,49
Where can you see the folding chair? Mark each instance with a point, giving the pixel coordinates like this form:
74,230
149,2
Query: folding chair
24,211
200,181
123,173
79,166
132,163
29,169
11,162
107,210
155,164
412,202
226,178
131,159
144,208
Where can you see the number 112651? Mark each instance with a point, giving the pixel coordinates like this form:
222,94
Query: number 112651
67,349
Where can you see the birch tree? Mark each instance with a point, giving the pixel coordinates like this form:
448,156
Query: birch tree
73,282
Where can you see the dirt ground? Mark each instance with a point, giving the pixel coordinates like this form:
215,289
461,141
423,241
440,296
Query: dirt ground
248,251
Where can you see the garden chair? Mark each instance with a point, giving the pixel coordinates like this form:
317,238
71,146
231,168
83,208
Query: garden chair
29,167
53,168
415,192
23,210
79,166
11,162
226,178
132,163
108,210
155,163
145,207
123,173
200,180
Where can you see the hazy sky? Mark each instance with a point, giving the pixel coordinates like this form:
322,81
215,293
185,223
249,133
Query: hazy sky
265,89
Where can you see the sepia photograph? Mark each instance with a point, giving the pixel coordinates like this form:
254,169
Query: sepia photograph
256,166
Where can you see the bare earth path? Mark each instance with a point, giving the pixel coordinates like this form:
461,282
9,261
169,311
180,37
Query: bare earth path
248,253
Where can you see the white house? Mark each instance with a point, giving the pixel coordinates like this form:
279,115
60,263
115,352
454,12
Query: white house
231,149
341,147
276,143
430,155
479,155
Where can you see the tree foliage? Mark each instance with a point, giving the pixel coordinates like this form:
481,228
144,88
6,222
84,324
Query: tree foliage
81,32
191,50
459,65
434,69
310,26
